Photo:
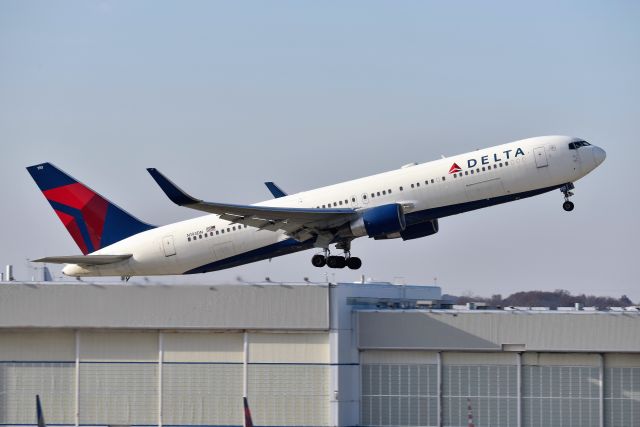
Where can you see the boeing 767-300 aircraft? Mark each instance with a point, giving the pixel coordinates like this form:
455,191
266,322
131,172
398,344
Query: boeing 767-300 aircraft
401,204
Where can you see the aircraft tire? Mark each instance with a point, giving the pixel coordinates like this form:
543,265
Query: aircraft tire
354,263
336,262
568,206
318,260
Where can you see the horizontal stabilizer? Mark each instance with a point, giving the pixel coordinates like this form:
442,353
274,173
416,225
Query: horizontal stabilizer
84,259
275,190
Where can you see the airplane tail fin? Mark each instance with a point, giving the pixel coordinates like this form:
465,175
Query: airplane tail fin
248,422
39,413
92,221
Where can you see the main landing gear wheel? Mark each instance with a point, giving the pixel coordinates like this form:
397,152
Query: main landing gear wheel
336,262
568,206
318,260
354,263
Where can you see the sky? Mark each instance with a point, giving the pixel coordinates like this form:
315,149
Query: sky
223,96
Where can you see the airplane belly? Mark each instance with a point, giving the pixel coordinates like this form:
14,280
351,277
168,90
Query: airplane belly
485,189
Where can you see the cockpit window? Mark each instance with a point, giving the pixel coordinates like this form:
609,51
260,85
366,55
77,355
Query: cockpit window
577,144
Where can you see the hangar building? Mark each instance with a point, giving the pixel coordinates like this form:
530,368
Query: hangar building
308,355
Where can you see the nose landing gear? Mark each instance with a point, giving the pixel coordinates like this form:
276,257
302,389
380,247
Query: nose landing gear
566,190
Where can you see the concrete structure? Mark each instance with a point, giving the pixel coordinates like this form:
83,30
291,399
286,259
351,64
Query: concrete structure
307,355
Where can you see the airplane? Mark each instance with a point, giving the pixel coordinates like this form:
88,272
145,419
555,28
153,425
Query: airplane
405,203
248,421
39,413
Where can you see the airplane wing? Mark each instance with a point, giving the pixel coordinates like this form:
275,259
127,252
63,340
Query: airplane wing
299,223
84,259
275,190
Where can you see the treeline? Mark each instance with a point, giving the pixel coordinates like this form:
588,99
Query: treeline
557,298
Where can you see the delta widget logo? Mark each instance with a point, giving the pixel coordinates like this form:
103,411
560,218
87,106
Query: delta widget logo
454,168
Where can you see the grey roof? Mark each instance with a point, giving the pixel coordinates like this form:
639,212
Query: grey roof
246,306
500,330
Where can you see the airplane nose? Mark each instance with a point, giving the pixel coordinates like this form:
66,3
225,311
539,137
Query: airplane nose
599,155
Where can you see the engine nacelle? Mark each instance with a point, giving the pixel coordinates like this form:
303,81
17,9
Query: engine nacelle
422,229
379,221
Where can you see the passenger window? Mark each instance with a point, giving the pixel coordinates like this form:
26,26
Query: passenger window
378,194
401,189
483,169
418,184
412,185
506,163
500,164
471,171
200,236
478,170
188,239
384,193
389,191
489,167
335,204
217,232
432,181
426,182
346,201
353,199
340,202
443,178
466,172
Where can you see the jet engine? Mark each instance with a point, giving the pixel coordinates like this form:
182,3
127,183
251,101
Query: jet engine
422,229
379,221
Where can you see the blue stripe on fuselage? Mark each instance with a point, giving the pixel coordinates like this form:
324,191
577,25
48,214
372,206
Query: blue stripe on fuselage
284,247
291,245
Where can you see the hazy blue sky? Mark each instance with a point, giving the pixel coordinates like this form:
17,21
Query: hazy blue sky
224,96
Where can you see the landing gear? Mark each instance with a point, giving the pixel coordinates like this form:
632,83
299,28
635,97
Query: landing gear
336,262
354,263
318,260
333,261
566,190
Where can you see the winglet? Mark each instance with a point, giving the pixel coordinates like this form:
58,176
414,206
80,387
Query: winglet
275,190
173,192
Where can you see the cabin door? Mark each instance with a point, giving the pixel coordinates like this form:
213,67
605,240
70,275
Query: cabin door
168,246
541,157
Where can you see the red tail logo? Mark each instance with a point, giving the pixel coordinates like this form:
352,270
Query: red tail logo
455,168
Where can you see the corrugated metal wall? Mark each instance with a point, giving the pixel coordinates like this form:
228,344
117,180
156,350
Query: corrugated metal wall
400,388
289,379
202,376
37,363
488,380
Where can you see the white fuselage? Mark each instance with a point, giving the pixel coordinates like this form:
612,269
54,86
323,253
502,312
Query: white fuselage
430,190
